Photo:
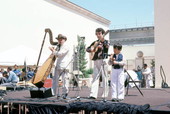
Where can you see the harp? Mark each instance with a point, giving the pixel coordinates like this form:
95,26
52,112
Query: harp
43,72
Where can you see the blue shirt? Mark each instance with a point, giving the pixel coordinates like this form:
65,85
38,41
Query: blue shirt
30,74
139,73
118,58
12,77
17,72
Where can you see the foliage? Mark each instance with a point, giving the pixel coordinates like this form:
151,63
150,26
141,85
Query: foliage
153,63
88,72
81,54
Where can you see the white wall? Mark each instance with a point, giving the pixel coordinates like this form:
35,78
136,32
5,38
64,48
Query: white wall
162,39
24,21
130,52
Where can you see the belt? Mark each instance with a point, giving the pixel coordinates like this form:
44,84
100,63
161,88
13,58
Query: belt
117,67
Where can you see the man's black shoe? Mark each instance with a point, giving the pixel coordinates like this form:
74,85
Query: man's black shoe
92,97
120,100
65,96
114,100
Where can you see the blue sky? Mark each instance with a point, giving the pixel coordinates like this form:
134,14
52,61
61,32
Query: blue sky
121,13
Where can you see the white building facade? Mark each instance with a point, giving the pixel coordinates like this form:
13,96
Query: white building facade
23,22
162,39
134,40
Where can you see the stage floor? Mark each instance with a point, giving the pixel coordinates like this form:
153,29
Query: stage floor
159,99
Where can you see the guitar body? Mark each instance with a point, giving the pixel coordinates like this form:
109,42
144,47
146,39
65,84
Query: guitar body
95,47
43,71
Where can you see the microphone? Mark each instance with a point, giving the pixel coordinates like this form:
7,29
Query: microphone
75,50
106,55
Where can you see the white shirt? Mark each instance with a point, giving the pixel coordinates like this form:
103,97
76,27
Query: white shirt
1,74
147,72
63,57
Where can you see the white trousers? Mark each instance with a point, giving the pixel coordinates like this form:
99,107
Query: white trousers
100,69
148,81
65,79
117,83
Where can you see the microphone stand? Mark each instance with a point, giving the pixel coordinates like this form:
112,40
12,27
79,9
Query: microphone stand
63,71
76,78
105,55
106,78
78,98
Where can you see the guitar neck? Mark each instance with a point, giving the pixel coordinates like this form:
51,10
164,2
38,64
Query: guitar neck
106,33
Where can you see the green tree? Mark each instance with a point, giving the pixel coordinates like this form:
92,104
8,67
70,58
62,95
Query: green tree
81,50
153,63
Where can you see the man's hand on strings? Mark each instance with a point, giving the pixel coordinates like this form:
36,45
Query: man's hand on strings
52,49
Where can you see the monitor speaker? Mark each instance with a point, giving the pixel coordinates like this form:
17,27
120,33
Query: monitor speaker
41,92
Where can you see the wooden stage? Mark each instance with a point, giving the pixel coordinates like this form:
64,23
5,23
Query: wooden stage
20,101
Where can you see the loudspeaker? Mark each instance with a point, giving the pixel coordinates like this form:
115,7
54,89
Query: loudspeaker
48,83
41,92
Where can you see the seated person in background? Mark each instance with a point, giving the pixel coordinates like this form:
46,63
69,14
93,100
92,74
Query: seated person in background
1,72
26,76
16,70
12,77
146,71
23,75
4,78
30,73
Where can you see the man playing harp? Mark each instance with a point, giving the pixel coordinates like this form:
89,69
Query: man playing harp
61,70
